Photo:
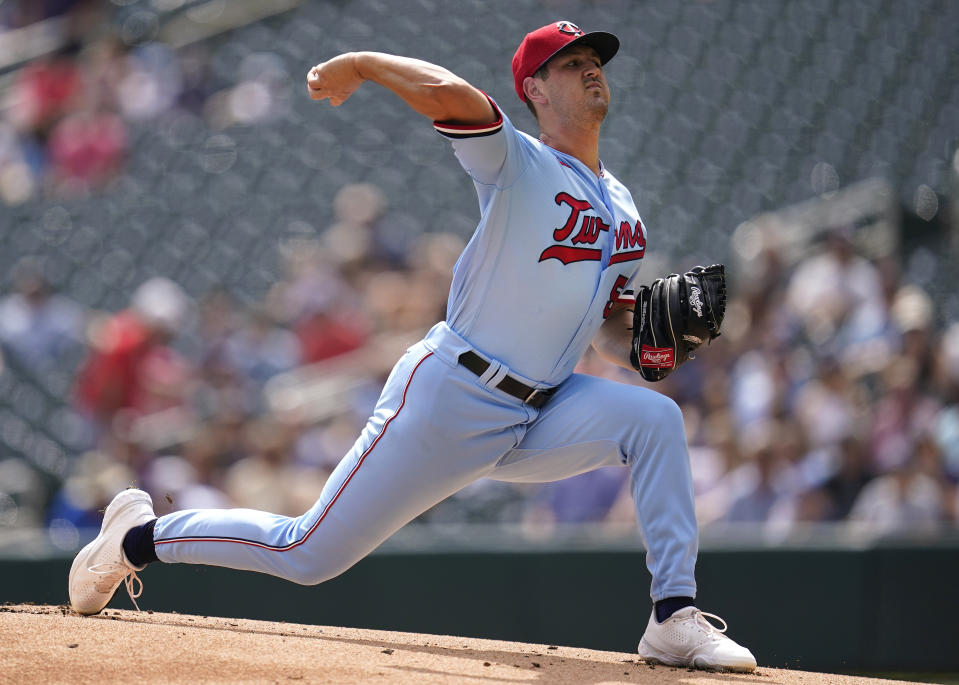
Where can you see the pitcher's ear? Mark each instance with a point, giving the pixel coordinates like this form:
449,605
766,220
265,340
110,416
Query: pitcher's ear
532,90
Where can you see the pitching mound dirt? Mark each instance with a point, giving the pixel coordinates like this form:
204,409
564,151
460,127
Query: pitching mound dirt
54,645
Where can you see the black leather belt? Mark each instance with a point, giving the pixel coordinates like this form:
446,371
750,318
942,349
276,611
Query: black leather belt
531,396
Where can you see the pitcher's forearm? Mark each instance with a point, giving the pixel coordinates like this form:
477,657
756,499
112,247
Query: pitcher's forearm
614,339
427,88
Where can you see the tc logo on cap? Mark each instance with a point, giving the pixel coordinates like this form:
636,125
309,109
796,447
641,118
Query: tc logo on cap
569,28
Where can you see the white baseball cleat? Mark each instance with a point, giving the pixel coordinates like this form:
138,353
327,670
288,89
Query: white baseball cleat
101,566
687,639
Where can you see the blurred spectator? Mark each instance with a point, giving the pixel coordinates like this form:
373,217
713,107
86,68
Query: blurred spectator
268,479
753,388
130,364
147,80
260,349
719,476
66,110
902,413
195,65
357,241
761,494
432,258
804,467
220,393
44,92
912,315
852,474
323,310
220,390
261,95
401,301
326,333
192,480
791,512
829,405
414,298
217,319
321,446
911,497
37,325
87,149
586,498
837,294
94,480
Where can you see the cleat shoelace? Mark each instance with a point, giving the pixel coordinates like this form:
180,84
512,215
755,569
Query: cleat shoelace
700,617
111,571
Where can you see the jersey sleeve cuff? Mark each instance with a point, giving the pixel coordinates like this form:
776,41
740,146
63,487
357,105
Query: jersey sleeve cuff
458,131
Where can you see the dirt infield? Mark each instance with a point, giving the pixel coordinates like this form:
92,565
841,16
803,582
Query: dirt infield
51,644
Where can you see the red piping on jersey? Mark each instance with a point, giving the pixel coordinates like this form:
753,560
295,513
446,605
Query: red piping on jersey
356,468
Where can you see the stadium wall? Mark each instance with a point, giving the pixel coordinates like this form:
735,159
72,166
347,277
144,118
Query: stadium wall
884,609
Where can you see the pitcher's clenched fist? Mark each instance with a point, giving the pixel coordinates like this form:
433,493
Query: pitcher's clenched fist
336,79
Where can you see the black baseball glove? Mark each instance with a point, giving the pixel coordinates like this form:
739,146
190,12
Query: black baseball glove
674,316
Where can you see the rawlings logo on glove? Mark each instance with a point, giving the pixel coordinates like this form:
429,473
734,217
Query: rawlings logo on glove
656,357
674,316
696,301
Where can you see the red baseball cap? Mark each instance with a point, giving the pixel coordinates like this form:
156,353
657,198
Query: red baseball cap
542,44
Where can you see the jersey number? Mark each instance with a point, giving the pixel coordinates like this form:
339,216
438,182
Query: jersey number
614,294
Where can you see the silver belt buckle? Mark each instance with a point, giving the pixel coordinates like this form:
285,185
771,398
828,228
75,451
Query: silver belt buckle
533,394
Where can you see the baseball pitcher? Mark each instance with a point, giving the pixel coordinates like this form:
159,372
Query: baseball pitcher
490,392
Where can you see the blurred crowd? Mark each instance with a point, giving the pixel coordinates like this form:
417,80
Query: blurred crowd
218,403
62,130
832,395
69,115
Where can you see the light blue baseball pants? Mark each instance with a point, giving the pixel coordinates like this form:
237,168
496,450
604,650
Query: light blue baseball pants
438,427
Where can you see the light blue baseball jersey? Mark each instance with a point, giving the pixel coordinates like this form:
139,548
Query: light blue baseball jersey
555,247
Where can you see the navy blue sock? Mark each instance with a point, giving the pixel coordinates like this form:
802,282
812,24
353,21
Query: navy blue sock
667,607
138,544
